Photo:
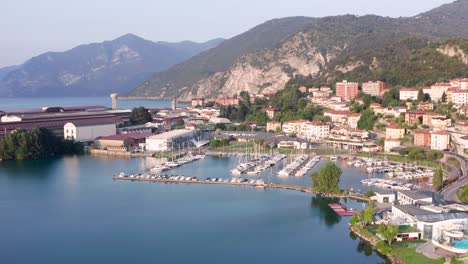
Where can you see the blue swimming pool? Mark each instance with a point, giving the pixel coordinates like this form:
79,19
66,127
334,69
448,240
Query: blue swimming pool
461,244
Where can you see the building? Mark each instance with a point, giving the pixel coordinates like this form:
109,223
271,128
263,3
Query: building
394,131
347,134
384,197
122,142
460,83
440,140
273,126
374,88
198,102
409,94
88,130
302,89
458,97
169,141
347,90
422,138
425,106
314,130
293,127
441,123
463,110
270,112
227,101
414,117
353,120
391,143
338,117
438,89
428,116
410,197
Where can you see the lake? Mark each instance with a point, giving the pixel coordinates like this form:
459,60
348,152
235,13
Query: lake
69,210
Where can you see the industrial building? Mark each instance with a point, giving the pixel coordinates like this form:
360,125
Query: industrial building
171,140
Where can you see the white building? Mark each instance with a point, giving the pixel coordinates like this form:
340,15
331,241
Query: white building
384,197
391,143
88,130
438,89
170,140
409,93
293,127
313,130
440,140
459,97
409,197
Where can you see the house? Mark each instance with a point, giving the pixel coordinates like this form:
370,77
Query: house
428,116
270,112
338,117
293,127
422,138
313,130
227,101
353,120
273,126
394,131
463,110
414,116
391,143
458,97
88,130
425,106
409,94
440,140
459,83
438,89
441,123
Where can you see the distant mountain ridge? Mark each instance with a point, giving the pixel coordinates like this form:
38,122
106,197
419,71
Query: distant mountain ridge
270,55
96,69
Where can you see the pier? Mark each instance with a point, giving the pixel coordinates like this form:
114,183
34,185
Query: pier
302,189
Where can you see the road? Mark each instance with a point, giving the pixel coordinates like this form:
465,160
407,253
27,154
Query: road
450,192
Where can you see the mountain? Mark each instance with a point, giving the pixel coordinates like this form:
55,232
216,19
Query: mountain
267,57
97,69
5,70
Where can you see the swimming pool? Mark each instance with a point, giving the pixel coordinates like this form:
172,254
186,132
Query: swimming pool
461,244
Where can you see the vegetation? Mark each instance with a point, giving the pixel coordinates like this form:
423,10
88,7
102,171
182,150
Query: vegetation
389,232
367,120
415,153
140,115
326,179
39,143
438,179
214,143
409,255
369,193
463,194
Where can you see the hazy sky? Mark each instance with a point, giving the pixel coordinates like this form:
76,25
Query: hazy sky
31,27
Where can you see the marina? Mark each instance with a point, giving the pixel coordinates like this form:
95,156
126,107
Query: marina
175,163
257,165
389,184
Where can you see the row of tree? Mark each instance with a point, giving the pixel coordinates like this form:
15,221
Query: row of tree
39,143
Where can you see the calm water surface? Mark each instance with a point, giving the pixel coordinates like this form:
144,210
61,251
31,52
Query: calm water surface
69,210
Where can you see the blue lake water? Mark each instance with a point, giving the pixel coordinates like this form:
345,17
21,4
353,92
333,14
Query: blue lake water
69,210
26,103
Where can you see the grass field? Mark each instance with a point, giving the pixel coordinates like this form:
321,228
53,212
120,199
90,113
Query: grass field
409,255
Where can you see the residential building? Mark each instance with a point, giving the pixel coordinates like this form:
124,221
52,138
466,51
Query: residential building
438,89
353,120
460,83
374,88
458,97
425,106
347,90
198,102
227,101
88,130
440,140
441,123
395,111
273,126
270,112
168,141
342,133
377,108
428,116
292,127
463,110
384,197
461,126
394,131
422,138
409,94
338,117
314,130
391,143
414,116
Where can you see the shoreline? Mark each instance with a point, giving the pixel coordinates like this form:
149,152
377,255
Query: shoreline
391,257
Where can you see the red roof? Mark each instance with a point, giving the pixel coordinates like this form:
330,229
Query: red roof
394,126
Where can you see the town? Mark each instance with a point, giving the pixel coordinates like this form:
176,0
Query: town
406,134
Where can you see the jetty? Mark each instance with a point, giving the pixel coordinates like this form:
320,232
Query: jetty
341,209
231,182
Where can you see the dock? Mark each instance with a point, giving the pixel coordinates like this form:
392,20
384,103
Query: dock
302,189
342,210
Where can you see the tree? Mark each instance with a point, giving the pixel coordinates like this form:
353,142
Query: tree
366,122
220,126
438,179
389,232
444,98
326,179
369,193
140,115
420,95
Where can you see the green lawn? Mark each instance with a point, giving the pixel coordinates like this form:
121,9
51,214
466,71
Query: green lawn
410,256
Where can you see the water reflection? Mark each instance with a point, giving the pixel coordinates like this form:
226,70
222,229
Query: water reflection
326,214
